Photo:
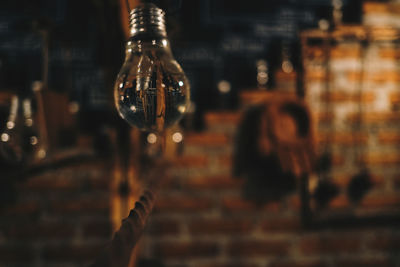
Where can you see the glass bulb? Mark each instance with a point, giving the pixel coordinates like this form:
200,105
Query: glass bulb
151,91
31,142
19,140
10,146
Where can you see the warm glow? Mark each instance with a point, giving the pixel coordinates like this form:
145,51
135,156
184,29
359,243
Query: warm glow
10,124
182,108
177,137
152,138
5,137
224,87
41,153
29,122
73,107
33,140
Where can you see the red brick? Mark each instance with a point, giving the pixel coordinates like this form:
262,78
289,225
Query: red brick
163,228
344,180
186,250
337,160
377,77
41,231
227,265
354,76
49,183
341,180
16,254
339,97
385,243
396,182
343,138
182,204
387,33
217,118
72,253
364,263
389,138
207,139
102,183
97,229
57,181
216,182
258,248
280,75
340,52
339,202
299,263
375,117
239,204
191,161
313,75
81,205
219,226
294,202
389,53
89,165
281,225
325,117
384,159
22,208
381,201
314,52
394,98
253,97
329,245
225,161
376,7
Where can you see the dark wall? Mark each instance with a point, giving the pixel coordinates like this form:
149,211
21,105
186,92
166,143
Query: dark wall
212,39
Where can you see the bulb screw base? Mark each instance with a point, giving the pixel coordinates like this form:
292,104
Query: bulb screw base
147,20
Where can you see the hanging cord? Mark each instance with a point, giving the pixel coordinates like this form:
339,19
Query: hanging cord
171,6
128,7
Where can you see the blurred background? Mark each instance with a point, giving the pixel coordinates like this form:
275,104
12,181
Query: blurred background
288,155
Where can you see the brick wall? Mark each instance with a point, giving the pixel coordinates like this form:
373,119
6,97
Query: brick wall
60,217
202,220
353,98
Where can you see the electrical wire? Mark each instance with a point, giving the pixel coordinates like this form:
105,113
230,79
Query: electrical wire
128,6
172,6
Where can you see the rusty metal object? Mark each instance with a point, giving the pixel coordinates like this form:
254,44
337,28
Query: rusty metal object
119,251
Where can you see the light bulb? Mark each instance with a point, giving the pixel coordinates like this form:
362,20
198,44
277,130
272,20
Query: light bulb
20,142
151,91
10,145
177,137
262,73
30,138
